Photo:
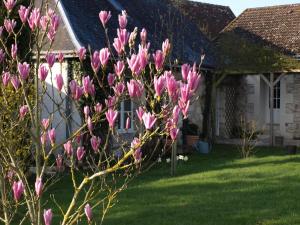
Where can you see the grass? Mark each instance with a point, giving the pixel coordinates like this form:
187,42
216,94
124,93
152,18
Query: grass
215,189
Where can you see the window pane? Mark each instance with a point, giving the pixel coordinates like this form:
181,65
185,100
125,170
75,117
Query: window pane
127,105
126,115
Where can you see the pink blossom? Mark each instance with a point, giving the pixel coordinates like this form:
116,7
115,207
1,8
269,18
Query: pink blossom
2,55
90,124
193,80
159,85
95,143
51,34
59,82
81,53
87,83
9,4
18,189
68,148
135,88
185,68
45,123
123,36
136,146
143,57
34,18
185,92
43,138
80,153
149,120
15,82
184,106
119,47
119,88
98,107
140,112
176,112
128,124
44,20
95,61
104,16
14,49
23,111
143,36
38,186
111,116
54,22
5,78
111,79
104,56
171,85
119,68
43,72
60,57
88,212
23,13
48,216
173,133
158,59
52,136
86,111
110,101
23,70
78,93
123,20
59,162
134,64
50,58
166,46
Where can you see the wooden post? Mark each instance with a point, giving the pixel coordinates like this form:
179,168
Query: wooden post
271,109
174,158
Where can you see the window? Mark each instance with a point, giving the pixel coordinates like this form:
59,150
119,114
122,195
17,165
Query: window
126,110
276,96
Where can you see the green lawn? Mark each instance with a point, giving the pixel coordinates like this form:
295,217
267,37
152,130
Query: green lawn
215,189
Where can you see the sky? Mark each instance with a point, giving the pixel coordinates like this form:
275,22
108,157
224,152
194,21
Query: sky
238,6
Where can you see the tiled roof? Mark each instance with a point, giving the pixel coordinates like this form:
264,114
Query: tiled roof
276,26
210,18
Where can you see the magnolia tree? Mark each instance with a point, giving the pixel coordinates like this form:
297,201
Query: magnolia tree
125,70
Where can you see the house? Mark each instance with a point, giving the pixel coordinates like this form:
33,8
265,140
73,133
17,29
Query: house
259,74
190,37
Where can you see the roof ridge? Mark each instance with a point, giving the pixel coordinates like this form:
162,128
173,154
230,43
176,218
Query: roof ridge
273,6
206,3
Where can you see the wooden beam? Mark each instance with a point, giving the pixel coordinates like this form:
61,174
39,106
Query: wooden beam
279,78
218,81
265,80
271,109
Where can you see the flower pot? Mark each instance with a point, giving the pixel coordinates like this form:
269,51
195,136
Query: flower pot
191,140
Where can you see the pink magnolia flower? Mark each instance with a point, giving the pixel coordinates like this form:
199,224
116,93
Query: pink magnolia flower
185,92
136,146
23,13
90,124
18,189
43,72
60,57
104,56
87,85
59,82
54,22
51,34
52,136
193,80
140,112
80,153
158,59
128,124
5,78
86,111
104,16
184,106
171,85
2,55
43,138
45,123
111,116
119,88
166,46
9,4
95,143
38,186
88,212
149,120
111,79
23,111
176,112
81,53
44,20
34,19
118,45
98,107
14,49
23,70
123,20
15,82
119,68
111,101
95,61
68,148
50,58
59,162
134,64
123,36
48,216
78,93
143,36
173,133
159,85
185,69
143,57
135,88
